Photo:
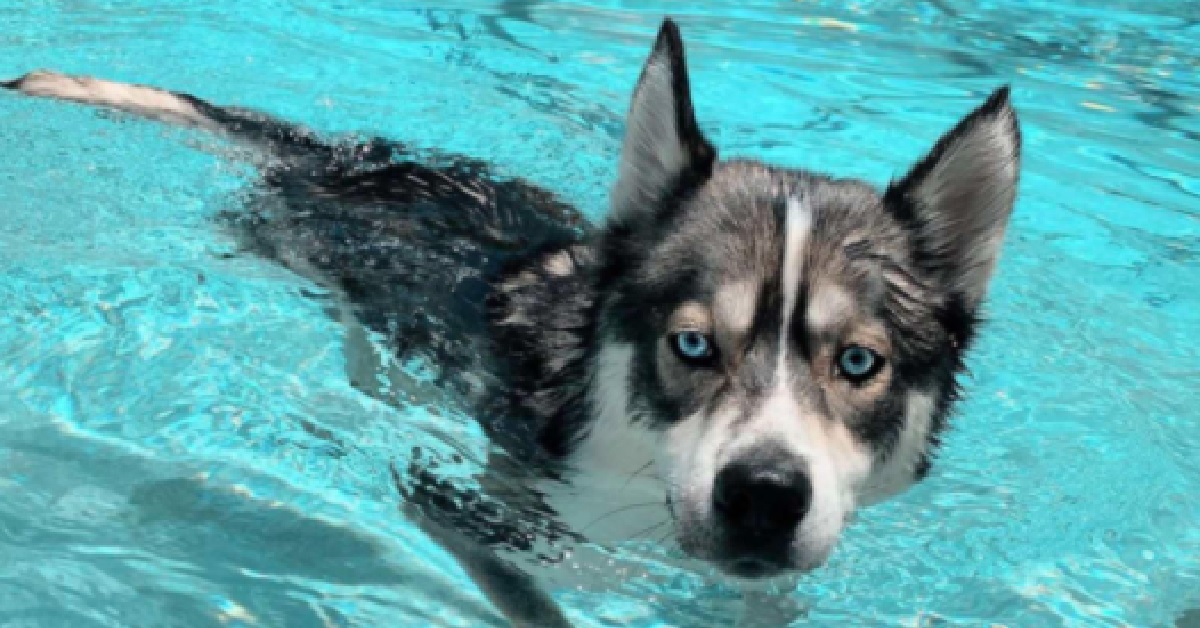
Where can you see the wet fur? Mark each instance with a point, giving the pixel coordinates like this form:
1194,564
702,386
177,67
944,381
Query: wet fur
555,328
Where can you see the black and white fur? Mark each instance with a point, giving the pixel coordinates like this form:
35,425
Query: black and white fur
568,335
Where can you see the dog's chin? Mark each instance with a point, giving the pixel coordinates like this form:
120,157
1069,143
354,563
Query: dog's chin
757,571
752,567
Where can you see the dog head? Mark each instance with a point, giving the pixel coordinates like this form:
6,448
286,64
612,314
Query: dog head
789,341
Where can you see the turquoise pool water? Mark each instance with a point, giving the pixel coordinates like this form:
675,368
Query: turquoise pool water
179,442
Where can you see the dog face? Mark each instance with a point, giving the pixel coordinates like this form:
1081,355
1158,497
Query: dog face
788,342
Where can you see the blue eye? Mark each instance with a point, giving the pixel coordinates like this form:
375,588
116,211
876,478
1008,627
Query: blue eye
692,346
858,363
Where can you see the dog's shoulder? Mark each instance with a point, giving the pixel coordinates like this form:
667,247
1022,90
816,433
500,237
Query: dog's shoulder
542,318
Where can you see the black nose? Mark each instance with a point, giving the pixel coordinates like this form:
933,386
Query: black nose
762,500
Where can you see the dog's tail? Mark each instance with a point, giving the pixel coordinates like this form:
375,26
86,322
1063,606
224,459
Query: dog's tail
249,127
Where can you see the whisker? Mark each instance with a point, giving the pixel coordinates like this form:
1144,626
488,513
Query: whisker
637,473
652,527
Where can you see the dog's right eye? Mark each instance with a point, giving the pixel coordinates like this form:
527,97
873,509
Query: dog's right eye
693,347
858,363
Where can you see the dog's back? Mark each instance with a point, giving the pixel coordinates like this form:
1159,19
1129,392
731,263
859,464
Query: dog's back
413,243
412,240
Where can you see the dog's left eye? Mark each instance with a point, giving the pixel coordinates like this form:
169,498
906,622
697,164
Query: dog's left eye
692,346
858,363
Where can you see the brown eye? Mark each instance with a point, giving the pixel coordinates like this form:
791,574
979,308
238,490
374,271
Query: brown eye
858,364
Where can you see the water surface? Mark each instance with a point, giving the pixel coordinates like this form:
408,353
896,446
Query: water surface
179,441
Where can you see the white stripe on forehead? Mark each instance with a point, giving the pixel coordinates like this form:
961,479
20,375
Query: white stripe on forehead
797,228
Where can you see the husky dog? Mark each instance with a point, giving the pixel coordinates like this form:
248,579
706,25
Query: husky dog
753,352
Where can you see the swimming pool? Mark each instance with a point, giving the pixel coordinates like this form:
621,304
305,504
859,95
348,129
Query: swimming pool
179,441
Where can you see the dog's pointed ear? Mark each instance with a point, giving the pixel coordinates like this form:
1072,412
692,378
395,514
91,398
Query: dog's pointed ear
958,199
663,148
